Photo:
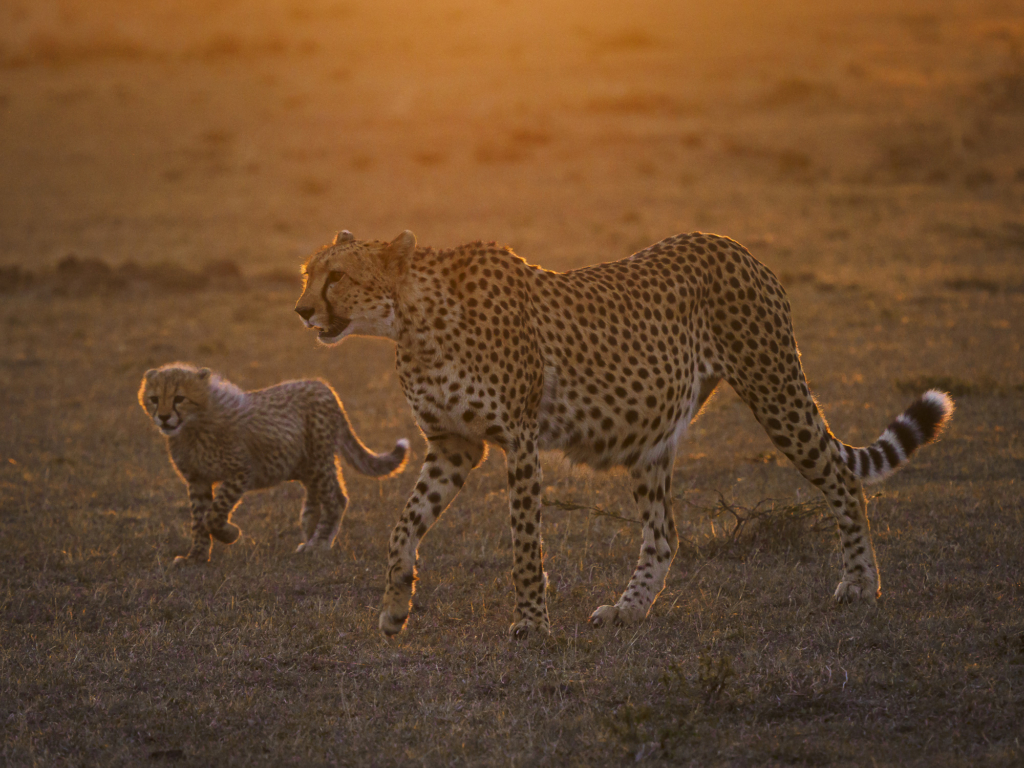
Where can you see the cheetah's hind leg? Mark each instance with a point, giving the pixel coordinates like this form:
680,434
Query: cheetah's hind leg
308,520
801,433
329,499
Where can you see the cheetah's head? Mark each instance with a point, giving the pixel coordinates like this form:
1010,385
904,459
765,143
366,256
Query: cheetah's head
175,394
350,286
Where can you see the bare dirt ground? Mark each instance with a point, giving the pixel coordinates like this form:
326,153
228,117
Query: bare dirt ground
166,166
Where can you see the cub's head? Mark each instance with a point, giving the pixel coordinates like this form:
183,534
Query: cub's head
175,394
350,286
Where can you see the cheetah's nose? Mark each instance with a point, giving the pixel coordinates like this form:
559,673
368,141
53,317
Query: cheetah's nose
305,312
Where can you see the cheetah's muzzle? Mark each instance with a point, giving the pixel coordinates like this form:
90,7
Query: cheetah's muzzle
337,326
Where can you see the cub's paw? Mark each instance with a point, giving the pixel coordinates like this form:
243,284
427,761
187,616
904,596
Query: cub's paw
182,560
391,623
227,533
313,547
850,591
617,615
526,628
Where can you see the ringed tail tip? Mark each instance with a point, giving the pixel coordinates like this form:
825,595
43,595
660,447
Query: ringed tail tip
918,425
932,412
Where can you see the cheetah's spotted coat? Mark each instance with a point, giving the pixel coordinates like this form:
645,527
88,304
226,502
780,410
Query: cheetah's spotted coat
609,364
240,441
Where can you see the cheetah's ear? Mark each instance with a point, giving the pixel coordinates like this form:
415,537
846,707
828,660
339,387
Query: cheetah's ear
399,252
149,374
203,374
343,237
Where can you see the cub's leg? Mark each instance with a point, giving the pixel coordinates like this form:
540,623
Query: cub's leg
201,498
309,517
524,483
326,495
449,459
226,499
652,491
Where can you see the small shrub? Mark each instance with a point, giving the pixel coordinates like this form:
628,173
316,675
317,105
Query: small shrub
85,275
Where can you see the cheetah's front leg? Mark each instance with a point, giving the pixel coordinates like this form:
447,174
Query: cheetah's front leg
228,494
524,482
449,459
652,491
200,497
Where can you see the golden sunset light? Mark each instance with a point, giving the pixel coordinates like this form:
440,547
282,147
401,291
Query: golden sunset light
353,353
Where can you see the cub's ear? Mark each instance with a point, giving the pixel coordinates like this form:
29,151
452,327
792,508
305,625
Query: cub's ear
149,374
343,237
398,255
203,374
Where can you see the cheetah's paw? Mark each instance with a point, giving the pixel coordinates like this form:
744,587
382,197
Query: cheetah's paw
525,628
605,615
313,547
390,624
617,615
183,560
853,591
227,533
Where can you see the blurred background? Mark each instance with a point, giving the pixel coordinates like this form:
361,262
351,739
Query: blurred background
847,136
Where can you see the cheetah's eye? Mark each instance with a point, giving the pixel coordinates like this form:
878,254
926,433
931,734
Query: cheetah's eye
155,400
334,276
179,399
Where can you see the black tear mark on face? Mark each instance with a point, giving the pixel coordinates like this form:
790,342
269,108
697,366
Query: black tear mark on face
323,294
335,323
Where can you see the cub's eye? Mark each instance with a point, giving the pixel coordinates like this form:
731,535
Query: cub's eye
179,399
155,400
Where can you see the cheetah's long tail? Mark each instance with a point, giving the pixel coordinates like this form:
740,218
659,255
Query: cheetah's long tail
919,425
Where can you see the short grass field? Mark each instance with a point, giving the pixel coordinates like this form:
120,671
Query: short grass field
166,167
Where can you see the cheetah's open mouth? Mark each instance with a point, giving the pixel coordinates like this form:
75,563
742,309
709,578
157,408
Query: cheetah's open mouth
338,324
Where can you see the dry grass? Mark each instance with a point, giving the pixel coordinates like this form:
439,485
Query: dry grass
110,657
162,182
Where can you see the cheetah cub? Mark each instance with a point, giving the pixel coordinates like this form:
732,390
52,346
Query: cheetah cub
240,441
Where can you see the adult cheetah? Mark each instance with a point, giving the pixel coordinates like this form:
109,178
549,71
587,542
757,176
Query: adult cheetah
609,364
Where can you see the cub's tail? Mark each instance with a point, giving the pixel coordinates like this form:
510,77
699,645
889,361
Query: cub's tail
370,463
351,448
362,458
919,425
